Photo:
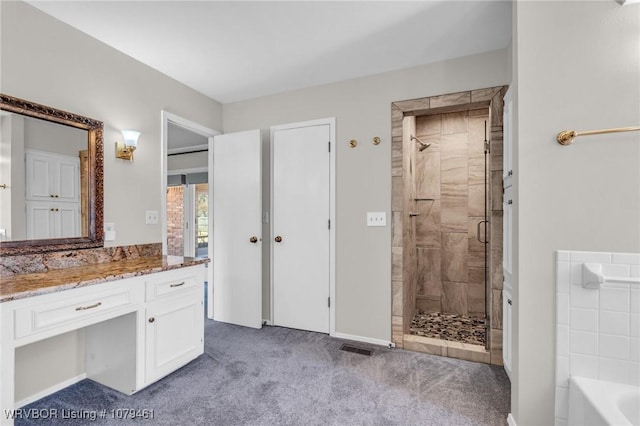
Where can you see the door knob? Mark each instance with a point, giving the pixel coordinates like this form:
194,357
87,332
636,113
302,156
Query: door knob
253,239
152,319
278,239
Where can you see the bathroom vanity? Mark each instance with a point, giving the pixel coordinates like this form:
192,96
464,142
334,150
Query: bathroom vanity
141,320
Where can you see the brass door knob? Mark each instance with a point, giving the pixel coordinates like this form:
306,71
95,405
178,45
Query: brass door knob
253,239
278,239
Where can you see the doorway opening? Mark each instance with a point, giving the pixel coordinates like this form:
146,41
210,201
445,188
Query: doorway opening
187,217
447,224
185,156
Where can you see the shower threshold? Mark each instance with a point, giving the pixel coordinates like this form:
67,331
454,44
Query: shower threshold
450,327
449,335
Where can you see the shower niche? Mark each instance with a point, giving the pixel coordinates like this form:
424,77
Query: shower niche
447,224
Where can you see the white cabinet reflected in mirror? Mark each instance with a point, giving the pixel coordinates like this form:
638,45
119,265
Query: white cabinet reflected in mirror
50,179
44,168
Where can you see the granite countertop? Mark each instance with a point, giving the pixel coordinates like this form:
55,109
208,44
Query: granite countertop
21,286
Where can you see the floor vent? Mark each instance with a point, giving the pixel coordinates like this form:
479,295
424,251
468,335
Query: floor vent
355,349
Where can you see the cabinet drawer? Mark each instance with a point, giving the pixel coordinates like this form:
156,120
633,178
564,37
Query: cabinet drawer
69,310
173,282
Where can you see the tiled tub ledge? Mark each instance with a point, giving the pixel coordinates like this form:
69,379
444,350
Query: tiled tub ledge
20,286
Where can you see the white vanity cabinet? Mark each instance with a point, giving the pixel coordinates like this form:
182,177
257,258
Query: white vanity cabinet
135,330
174,322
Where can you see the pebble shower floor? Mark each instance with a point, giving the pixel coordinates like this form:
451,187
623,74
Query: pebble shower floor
452,327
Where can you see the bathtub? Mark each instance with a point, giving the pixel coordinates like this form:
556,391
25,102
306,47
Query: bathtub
596,402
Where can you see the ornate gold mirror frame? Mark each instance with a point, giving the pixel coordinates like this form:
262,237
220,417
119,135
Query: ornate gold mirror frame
94,237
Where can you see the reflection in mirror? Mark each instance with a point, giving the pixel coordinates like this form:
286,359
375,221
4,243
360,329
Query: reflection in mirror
50,179
44,166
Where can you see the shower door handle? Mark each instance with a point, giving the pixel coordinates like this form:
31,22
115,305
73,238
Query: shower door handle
485,231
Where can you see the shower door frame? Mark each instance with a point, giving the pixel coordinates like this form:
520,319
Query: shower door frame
403,301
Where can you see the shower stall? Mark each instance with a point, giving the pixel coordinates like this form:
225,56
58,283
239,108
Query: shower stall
447,224
449,218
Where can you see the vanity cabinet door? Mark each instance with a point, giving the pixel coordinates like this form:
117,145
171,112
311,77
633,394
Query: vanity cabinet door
174,333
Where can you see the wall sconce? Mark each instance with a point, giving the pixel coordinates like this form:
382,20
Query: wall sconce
125,149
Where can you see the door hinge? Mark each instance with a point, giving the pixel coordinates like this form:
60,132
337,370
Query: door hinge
329,223
328,302
329,145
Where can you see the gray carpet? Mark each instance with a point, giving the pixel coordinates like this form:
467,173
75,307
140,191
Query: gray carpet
280,376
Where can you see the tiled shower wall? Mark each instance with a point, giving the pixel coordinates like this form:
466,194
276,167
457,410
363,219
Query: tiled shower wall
597,330
450,202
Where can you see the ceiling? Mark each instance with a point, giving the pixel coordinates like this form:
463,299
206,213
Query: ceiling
237,50
181,139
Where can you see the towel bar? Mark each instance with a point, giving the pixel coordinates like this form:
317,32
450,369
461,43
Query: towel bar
592,276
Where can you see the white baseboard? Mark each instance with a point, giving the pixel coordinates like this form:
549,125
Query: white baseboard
363,339
510,420
53,389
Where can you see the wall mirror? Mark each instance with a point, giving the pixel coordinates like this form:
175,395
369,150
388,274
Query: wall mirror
51,179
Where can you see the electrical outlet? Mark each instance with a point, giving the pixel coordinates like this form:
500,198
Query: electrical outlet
109,231
152,217
376,218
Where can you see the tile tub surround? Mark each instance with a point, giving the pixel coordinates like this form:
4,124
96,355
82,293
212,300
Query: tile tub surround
597,330
21,286
43,262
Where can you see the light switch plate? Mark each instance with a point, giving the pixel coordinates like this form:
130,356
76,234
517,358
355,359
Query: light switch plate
109,231
376,218
151,217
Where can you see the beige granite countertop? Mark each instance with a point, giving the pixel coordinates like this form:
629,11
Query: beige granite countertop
21,286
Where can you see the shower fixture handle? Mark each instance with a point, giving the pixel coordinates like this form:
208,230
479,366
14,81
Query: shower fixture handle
485,231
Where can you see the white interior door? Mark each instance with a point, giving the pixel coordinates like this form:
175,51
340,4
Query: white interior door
236,191
300,227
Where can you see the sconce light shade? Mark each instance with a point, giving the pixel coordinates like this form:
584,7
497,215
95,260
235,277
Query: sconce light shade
125,149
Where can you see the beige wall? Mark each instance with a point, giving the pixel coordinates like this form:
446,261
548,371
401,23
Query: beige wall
576,66
46,61
362,108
